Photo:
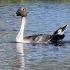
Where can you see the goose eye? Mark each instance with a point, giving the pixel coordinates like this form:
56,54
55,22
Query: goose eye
24,9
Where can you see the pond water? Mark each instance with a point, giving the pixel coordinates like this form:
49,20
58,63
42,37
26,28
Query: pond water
42,18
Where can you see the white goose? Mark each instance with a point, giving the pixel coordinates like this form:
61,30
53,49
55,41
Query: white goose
38,38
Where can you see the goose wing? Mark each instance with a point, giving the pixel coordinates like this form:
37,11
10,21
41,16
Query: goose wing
39,38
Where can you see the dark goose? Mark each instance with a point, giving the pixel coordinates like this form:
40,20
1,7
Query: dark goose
38,38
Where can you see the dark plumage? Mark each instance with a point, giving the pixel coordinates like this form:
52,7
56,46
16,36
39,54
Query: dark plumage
38,38
45,38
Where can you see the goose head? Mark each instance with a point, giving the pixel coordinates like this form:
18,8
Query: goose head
21,12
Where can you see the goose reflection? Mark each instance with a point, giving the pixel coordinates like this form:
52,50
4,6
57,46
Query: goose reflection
20,55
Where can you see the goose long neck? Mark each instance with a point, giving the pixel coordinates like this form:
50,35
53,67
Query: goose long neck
23,22
20,35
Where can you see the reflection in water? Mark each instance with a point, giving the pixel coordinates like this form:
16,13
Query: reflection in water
20,55
18,61
60,43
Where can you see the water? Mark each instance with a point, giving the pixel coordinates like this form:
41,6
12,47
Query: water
42,18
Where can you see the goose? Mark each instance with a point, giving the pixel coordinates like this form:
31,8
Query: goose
37,38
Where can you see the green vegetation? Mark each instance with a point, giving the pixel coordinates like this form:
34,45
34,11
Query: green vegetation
23,1
10,1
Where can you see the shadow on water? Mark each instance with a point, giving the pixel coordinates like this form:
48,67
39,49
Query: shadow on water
60,43
63,43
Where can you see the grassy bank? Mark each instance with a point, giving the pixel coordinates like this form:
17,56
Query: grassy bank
29,1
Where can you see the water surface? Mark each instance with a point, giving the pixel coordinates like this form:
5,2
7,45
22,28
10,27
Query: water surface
42,18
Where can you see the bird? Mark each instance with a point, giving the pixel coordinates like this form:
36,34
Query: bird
37,38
